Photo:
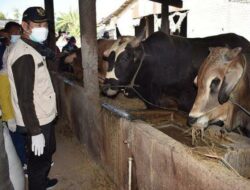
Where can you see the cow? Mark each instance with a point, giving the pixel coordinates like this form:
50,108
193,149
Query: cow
223,83
161,69
72,62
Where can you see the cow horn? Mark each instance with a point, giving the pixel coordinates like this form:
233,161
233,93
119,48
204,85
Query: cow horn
118,34
195,80
139,38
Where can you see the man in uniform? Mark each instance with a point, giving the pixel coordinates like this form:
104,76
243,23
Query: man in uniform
33,96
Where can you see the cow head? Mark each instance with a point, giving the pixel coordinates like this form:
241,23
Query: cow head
217,77
123,58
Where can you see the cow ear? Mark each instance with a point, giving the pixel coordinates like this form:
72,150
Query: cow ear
210,49
111,60
231,79
232,53
195,81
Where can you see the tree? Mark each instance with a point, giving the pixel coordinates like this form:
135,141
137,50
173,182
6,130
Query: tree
69,22
2,16
16,14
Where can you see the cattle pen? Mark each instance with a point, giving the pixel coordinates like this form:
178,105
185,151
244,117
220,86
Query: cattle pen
139,148
162,154
142,149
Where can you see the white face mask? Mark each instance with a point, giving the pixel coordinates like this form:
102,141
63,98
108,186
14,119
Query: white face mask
14,38
39,34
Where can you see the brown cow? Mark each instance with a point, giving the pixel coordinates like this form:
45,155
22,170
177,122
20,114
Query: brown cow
223,79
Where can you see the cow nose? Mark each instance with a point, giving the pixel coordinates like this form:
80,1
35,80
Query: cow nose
191,120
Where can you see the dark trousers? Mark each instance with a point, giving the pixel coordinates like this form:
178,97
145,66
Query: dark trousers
39,166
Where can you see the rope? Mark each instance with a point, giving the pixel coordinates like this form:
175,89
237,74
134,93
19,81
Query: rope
231,97
239,106
132,84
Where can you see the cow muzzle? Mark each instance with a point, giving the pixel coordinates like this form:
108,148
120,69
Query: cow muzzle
201,121
110,87
191,120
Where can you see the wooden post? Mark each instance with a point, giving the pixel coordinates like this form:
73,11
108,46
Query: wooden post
89,45
49,8
87,9
138,29
164,17
150,24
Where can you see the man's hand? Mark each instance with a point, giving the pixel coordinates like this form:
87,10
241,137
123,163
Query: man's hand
37,144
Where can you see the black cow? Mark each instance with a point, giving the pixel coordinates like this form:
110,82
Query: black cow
168,66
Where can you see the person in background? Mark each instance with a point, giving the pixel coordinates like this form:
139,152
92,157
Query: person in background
13,30
3,43
70,46
33,96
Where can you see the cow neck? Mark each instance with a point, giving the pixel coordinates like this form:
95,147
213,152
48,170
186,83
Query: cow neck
132,82
231,98
132,85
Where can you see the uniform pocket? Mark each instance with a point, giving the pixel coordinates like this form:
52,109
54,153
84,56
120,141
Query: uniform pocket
45,105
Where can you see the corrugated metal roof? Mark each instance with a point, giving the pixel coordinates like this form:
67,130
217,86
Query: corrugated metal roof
117,12
128,3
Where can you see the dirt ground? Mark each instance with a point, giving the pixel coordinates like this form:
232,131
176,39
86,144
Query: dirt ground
74,168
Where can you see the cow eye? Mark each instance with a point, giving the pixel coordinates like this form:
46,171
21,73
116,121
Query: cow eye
214,84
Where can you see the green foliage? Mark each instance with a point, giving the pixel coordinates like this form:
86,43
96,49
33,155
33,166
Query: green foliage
17,14
69,22
2,16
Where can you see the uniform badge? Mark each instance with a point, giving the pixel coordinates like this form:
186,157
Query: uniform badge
40,64
40,12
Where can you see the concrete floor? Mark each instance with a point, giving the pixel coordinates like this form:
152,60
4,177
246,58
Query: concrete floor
74,168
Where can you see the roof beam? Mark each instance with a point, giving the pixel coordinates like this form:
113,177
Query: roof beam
175,3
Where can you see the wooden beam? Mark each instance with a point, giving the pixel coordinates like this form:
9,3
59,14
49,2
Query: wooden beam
164,18
49,8
87,9
175,3
89,44
151,26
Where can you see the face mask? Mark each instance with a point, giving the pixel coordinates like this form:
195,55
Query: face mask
14,38
39,34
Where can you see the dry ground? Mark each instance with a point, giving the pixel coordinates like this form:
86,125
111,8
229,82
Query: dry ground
74,168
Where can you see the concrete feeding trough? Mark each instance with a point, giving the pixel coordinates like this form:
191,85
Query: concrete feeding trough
240,161
162,152
233,150
214,163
